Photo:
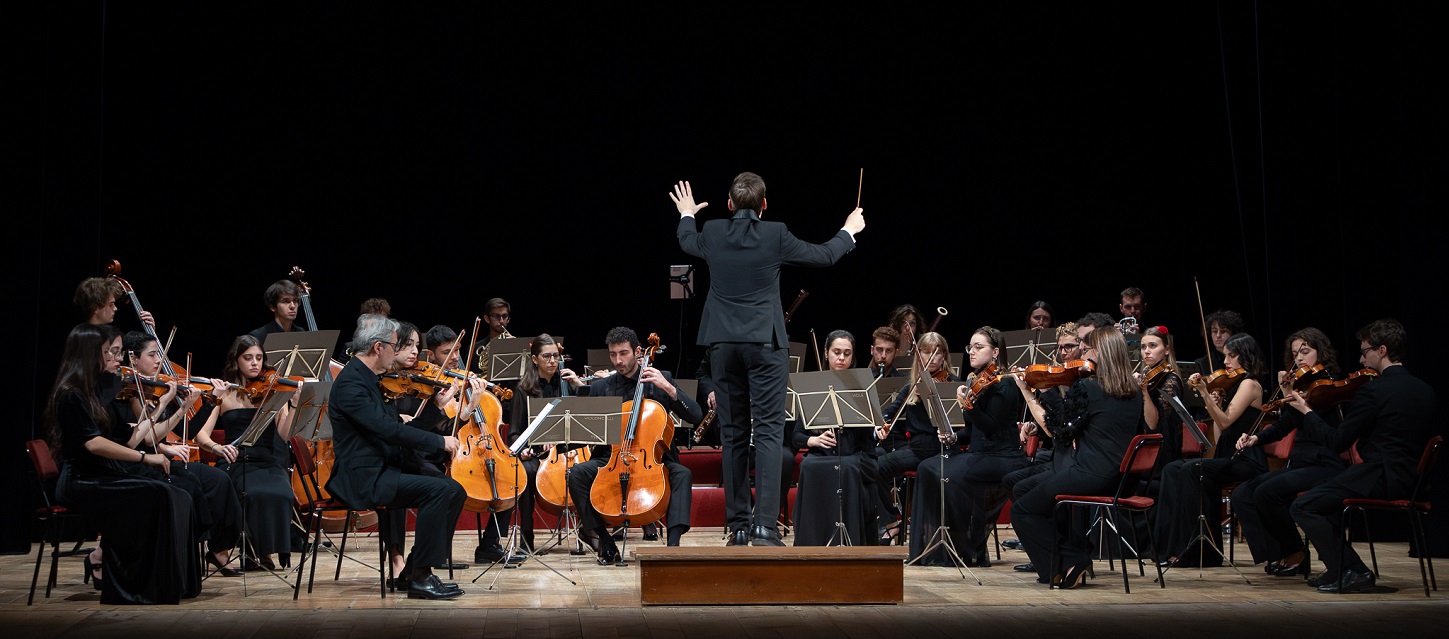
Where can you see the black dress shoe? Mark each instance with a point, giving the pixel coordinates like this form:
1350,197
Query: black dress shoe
430,587
1024,568
609,556
739,537
762,536
494,554
1012,544
1319,580
1288,571
1352,581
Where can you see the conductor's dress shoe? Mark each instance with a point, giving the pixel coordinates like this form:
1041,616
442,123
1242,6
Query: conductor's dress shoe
762,536
739,537
1352,581
430,587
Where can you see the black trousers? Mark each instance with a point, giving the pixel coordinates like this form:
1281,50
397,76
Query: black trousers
1191,487
581,481
438,500
890,466
787,471
752,381
1038,525
1318,512
1262,504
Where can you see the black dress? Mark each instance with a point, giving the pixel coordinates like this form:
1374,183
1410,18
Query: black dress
817,507
147,528
1194,486
260,478
974,491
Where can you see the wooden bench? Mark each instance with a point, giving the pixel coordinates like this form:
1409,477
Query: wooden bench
733,575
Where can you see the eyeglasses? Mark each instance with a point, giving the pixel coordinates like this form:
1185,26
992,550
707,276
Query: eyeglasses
977,347
548,355
1067,347
498,316
1366,349
115,353
391,344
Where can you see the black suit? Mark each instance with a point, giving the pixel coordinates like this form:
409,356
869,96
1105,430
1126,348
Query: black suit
744,322
1389,418
366,434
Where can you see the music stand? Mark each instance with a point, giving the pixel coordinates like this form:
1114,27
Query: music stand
930,396
506,356
249,437
312,412
886,388
797,357
831,400
597,360
304,353
1203,527
1027,347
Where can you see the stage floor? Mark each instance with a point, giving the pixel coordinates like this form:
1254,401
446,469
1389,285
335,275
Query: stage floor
533,601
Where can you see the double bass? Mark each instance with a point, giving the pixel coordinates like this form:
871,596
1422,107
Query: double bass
632,489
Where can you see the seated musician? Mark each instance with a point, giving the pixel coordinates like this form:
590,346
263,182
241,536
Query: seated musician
908,414
543,376
885,342
624,354
817,506
96,298
283,297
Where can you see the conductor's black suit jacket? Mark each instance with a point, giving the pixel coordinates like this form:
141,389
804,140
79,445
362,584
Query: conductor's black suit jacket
744,254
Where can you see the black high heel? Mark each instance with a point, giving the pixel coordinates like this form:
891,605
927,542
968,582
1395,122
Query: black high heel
98,582
1073,577
221,568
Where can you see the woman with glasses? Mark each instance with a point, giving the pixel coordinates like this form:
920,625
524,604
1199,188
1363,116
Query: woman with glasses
907,415
1193,487
1098,415
258,470
974,494
543,376
148,540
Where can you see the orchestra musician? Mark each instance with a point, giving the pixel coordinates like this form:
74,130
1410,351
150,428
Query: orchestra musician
1133,305
376,305
885,342
1390,418
147,550
1222,324
1193,486
1262,503
906,321
543,376
908,414
744,322
973,492
259,471
213,497
1040,315
364,432
96,298
1099,416
497,314
817,506
1157,411
283,297
624,354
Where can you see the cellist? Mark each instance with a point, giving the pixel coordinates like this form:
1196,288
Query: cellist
624,353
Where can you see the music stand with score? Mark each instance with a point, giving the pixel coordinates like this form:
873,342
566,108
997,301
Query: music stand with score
828,400
930,396
561,421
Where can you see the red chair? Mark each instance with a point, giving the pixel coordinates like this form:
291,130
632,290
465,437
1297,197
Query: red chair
1416,507
51,514
311,513
1140,459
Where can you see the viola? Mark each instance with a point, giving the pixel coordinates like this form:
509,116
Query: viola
983,382
632,489
1042,376
1224,379
1329,392
425,370
1155,376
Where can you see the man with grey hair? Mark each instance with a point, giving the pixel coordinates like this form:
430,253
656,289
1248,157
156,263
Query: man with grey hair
367,436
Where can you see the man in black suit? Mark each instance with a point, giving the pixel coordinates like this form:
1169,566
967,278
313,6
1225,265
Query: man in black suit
1389,418
367,436
745,325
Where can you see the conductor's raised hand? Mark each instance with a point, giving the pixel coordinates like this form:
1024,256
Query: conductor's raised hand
683,197
855,222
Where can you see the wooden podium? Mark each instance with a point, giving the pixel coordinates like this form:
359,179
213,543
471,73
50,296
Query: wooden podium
734,575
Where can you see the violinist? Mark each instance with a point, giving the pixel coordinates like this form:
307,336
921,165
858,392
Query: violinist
1390,419
1222,324
1193,486
1040,315
908,414
885,342
258,471
1099,415
816,506
1262,502
974,495
147,550
1160,383
624,354
364,430
283,297
214,499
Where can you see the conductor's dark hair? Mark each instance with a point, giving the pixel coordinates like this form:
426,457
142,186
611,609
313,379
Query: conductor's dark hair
747,191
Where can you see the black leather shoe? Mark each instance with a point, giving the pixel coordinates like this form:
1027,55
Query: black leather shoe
739,537
1024,567
609,556
1012,544
494,554
1319,580
762,536
1288,571
650,533
430,587
1352,581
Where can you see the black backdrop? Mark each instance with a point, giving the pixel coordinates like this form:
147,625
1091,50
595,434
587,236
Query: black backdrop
1287,156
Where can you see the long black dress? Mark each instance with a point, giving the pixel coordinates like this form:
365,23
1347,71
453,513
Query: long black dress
148,533
260,478
817,507
1194,486
974,493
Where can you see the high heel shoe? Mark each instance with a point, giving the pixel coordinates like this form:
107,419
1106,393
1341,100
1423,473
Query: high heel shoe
91,573
1072,577
221,568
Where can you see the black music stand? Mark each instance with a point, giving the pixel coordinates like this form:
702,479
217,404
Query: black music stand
1026,347
1203,527
597,359
830,400
886,388
504,357
249,437
798,351
930,395
305,354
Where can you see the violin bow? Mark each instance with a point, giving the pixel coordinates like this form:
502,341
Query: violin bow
1207,341
816,343
472,342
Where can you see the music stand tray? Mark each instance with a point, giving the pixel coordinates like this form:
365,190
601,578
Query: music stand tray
572,420
505,358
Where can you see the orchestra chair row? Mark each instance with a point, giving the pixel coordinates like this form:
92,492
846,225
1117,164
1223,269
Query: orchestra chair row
1416,508
51,515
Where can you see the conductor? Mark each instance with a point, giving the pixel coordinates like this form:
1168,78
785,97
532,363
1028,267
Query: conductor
744,323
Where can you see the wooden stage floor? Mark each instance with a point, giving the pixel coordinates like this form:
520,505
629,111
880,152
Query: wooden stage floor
533,601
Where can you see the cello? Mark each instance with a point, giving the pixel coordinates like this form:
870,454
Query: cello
492,477
553,488
632,489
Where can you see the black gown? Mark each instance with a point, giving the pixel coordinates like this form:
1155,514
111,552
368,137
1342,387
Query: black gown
817,507
260,478
148,532
1194,486
974,492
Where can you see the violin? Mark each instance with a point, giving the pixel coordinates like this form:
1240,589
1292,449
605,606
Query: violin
984,381
1042,376
1330,392
1155,376
406,383
1224,379
632,489
1299,380
426,372
270,382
